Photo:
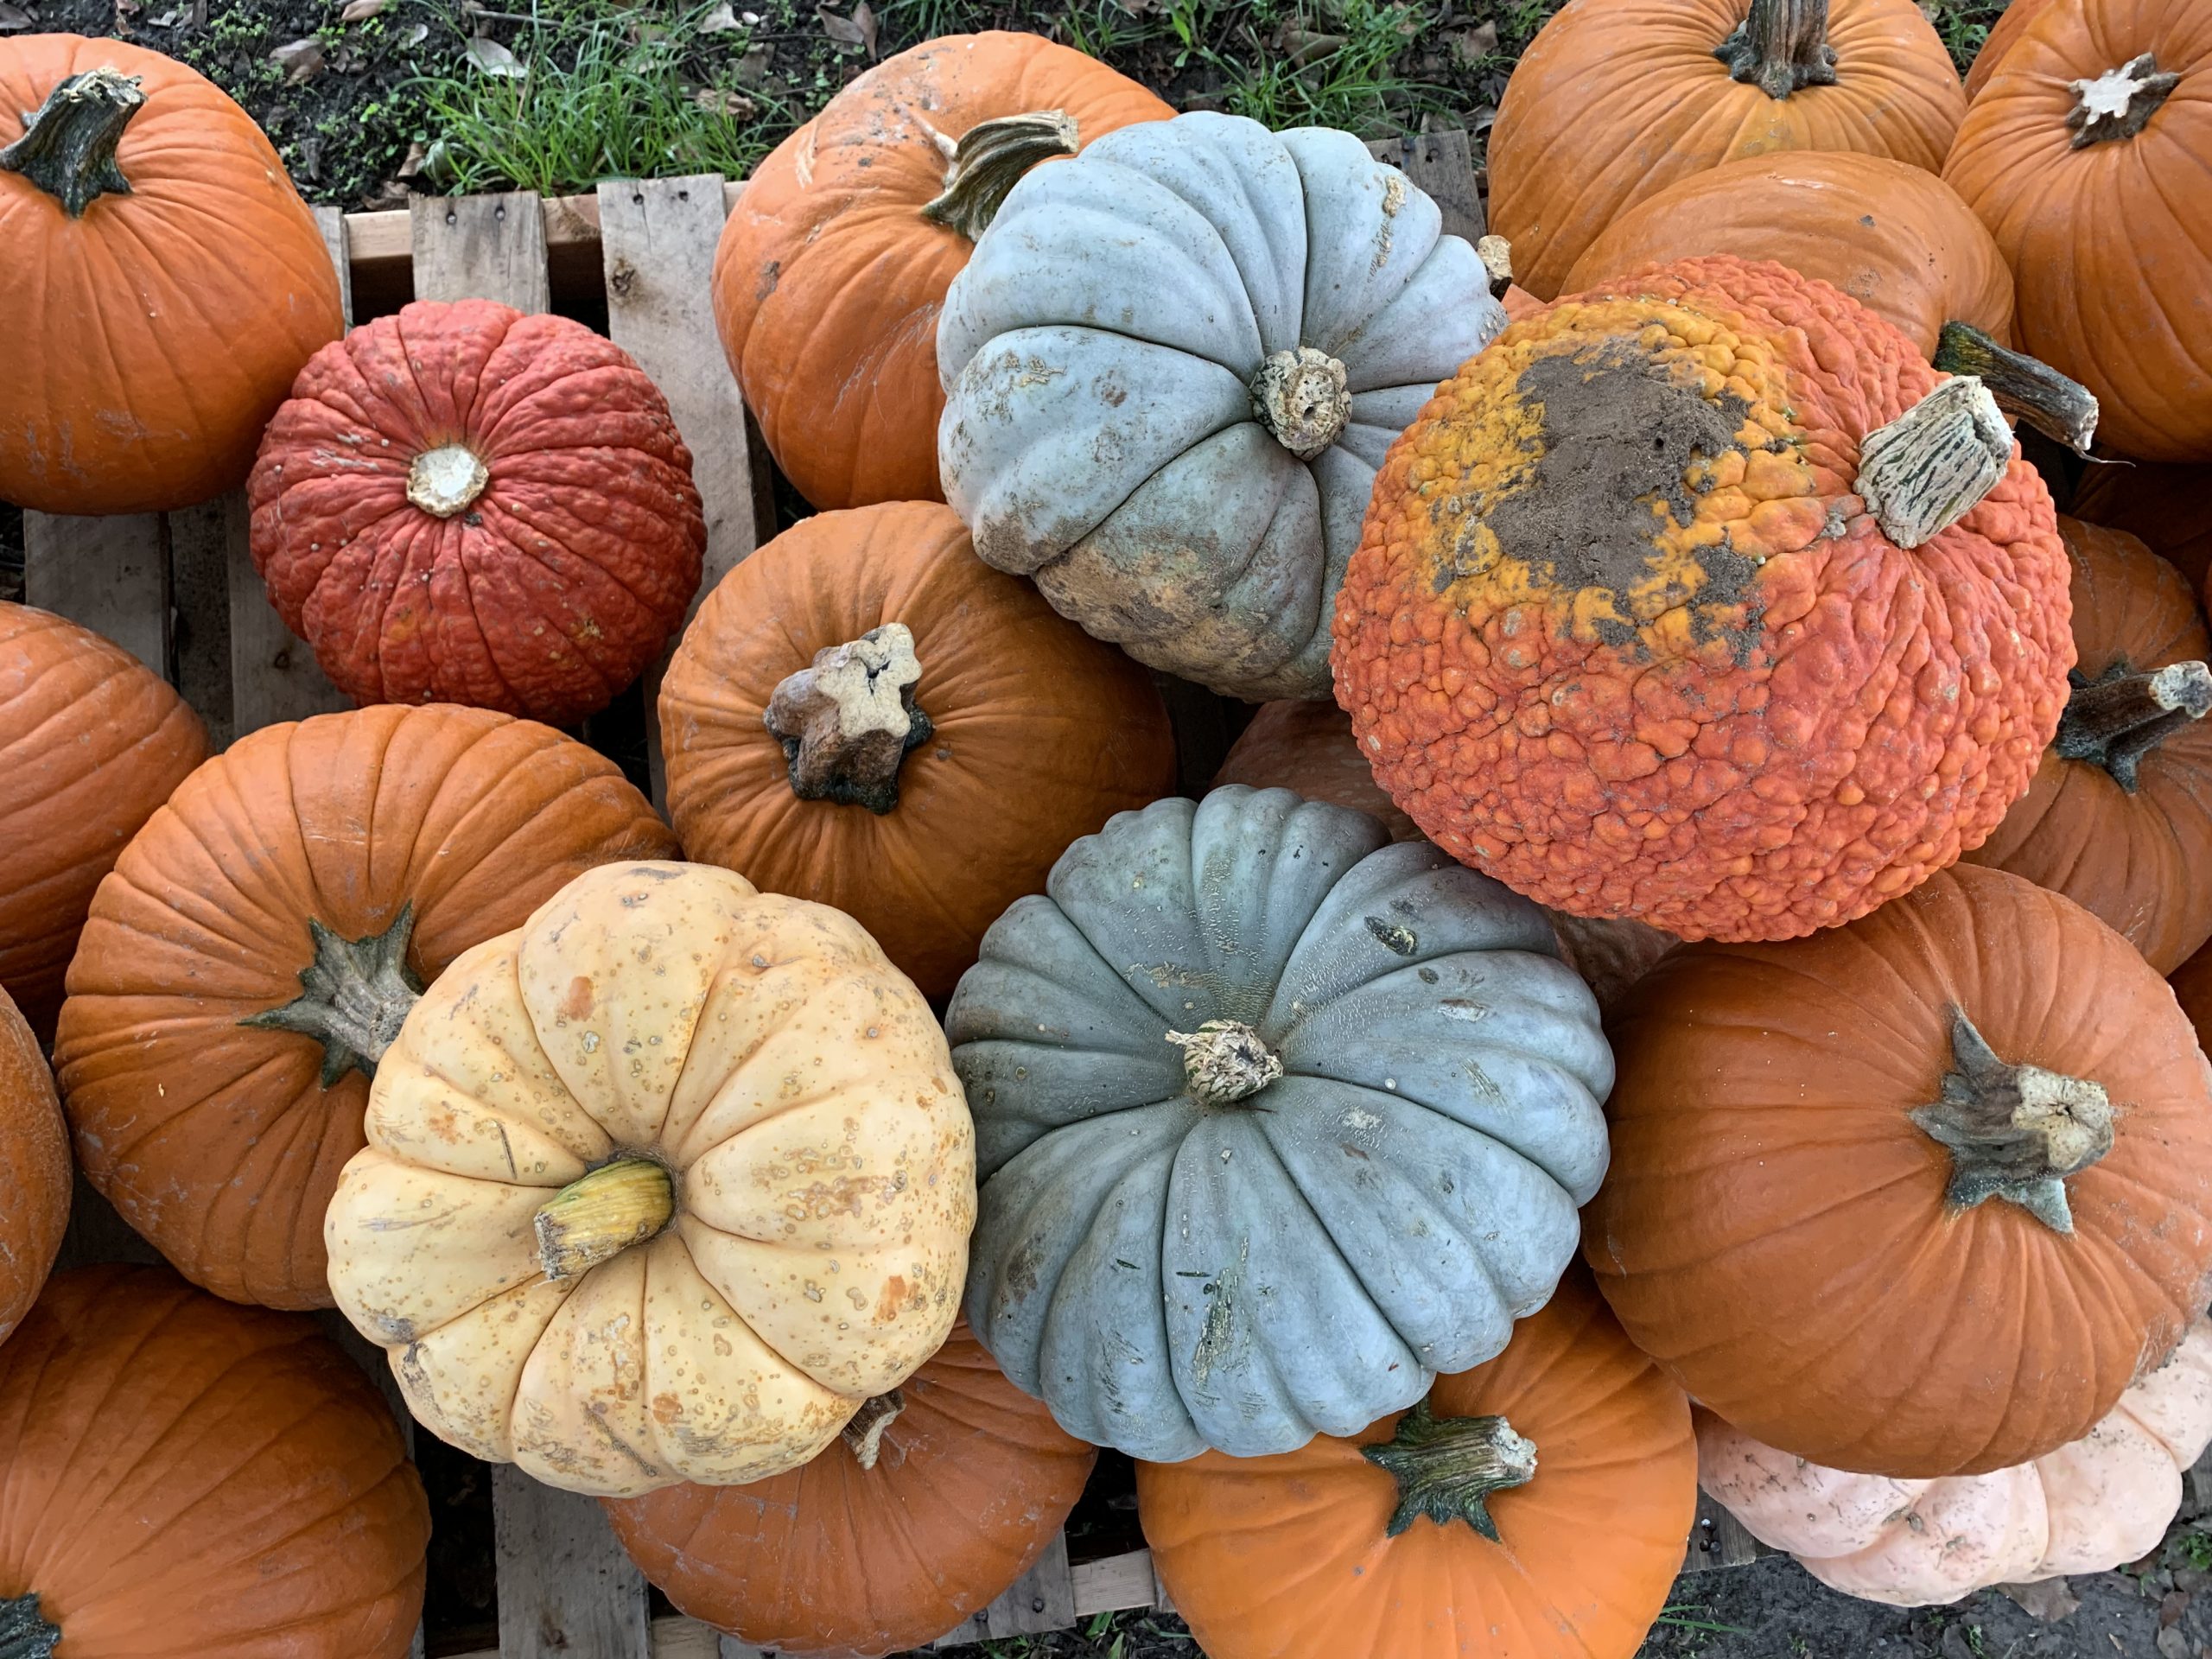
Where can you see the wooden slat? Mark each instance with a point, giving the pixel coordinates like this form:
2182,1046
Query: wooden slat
673,1638
274,676
336,237
1442,163
386,238
199,593
566,1588
481,248
112,575
1717,1539
1043,1598
657,241
1118,1582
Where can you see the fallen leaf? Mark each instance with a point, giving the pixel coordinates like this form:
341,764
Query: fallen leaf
14,17
2171,1607
725,101
2048,1600
413,164
492,58
299,60
752,67
1472,46
719,21
168,19
416,36
359,11
859,29
2172,1644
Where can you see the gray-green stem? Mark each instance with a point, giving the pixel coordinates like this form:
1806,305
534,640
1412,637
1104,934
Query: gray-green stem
2063,410
847,720
354,997
1781,48
2120,717
1447,1467
2117,103
24,1633
67,149
989,160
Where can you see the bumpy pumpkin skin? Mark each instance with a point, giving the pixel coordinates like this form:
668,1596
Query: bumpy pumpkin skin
827,279
1893,236
1039,733
1171,1270
1288,1558
217,1141
972,1479
182,1477
797,1091
34,1166
1108,357
2170,508
1617,99
1747,715
2111,240
2134,859
1775,1231
541,595
150,340
92,742
2090,1506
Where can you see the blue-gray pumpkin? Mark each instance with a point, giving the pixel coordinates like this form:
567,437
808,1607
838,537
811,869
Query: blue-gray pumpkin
1279,1121
1172,368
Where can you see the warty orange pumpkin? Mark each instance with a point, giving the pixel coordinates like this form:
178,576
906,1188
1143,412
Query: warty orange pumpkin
1917,1196
2170,508
163,282
835,259
34,1164
259,942
1824,664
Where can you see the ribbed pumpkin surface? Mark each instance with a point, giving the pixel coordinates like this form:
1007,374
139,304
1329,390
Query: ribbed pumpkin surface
33,1167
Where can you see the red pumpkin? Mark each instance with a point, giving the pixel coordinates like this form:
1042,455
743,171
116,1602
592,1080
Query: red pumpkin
34,1169
461,504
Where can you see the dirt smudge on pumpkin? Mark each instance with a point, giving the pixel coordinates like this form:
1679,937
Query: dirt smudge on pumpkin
895,1293
1217,1336
576,1003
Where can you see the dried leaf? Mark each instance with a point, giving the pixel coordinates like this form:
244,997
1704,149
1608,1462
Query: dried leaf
492,58
2048,1600
719,21
725,101
14,18
859,29
413,164
1472,46
416,36
170,19
359,11
299,60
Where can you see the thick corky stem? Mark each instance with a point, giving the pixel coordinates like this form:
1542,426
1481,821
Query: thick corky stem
24,1633
1781,48
2014,1132
2120,717
1931,465
2116,104
1497,255
446,481
599,1216
863,1432
989,160
1300,397
2062,410
1224,1061
847,721
354,997
1447,1467
68,148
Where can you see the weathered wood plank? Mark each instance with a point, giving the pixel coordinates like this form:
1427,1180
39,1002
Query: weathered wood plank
480,247
1718,1540
1043,1598
274,676
383,238
566,1588
200,595
1115,1583
1442,163
336,237
112,575
675,1638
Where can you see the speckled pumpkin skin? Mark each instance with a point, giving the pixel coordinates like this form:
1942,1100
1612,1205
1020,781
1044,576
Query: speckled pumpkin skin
1679,674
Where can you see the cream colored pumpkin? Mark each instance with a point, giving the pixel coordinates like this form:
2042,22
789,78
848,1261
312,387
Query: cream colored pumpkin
2104,1499
725,1119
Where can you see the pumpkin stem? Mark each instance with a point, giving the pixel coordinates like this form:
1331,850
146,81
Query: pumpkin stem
1300,397
2014,1132
67,149
1931,465
1447,1467
597,1217
989,160
863,1432
353,998
1497,255
1781,47
2123,714
1224,1061
24,1633
2118,103
2063,410
446,481
848,721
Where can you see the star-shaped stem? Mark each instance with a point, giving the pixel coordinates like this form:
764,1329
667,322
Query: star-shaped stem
1447,1467
24,1634
354,997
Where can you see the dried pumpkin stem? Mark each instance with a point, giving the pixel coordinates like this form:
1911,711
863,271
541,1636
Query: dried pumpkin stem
863,1433
848,721
1225,1061
353,998
1931,465
2117,103
2062,410
447,479
1300,397
989,160
24,1633
1447,1467
597,1217
1781,47
67,149
2014,1132
2117,718
1497,255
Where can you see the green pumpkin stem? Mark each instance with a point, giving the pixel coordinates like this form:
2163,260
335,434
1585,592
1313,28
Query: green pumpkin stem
847,720
2063,410
1781,48
24,1633
989,160
354,997
67,149
597,1217
1225,1061
1447,1467
2014,1132
2117,103
2122,715
863,1432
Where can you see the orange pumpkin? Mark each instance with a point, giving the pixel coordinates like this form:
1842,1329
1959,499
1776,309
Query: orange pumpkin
866,715
180,1478
164,281
936,1499
2120,816
835,262
257,945
2169,507
2011,24
2192,988
34,1169
1916,1197
92,742
1462,1530
1894,237
1617,99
